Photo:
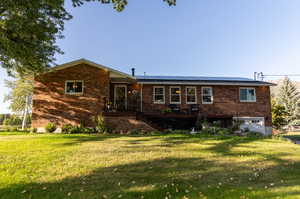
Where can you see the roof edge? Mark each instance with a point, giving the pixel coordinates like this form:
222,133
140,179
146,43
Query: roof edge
91,63
207,83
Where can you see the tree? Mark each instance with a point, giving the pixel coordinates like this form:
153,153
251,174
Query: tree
278,115
29,30
13,120
289,98
20,97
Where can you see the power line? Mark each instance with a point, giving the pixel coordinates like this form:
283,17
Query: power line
261,76
283,75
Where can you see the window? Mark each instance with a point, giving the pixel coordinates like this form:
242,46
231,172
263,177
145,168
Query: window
74,87
191,97
247,95
207,95
175,95
159,95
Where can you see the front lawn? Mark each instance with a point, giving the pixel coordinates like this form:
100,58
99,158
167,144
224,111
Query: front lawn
48,166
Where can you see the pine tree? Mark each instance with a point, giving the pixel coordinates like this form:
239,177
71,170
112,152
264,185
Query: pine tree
289,98
278,115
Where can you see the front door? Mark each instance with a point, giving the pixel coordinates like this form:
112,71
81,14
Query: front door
120,99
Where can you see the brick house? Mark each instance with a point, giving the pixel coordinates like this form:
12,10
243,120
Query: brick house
74,92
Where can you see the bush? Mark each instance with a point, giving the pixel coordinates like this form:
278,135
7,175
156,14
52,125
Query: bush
14,128
224,131
134,132
50,127
88,130
33,130
254,134
198,124
167,110
75,130
66,128
100,124
12,120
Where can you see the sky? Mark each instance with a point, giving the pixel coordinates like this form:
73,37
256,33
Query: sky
194,38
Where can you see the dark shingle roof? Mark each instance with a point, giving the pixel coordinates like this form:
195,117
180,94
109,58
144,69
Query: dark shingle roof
200,79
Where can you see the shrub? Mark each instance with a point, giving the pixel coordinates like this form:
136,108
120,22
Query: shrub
66,128
50,127
88,130
33,130
167,110
12,120
133,132
198,124
100,124
217,124
75,130
155,132
254,134
204,124
236,124
224,131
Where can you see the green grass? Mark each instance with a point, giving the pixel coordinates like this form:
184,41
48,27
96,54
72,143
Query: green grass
48,166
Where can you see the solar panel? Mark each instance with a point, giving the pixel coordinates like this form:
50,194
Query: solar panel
193,78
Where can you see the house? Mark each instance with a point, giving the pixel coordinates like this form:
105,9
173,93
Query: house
74,92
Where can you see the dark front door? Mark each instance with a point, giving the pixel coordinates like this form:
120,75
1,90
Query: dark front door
120,100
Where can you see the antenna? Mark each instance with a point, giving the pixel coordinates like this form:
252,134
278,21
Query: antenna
259,76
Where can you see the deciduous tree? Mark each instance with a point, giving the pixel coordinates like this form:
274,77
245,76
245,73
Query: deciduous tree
29,30
20,97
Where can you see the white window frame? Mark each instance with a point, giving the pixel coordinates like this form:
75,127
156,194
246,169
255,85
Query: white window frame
186,94
247,88
170,94
212,95
73,81
164,95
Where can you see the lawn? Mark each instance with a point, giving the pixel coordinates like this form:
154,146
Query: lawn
47,166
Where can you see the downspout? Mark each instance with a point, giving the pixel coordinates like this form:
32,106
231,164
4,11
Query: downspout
141,97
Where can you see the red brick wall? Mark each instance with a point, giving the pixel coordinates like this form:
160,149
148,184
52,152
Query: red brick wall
51,104
226,102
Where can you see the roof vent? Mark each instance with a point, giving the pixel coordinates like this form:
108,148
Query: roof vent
133,72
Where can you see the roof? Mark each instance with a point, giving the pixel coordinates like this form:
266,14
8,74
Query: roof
171,80
201,80
88,62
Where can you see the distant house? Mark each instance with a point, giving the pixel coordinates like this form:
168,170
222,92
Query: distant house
76,91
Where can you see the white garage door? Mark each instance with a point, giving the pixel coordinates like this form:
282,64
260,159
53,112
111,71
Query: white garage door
255,124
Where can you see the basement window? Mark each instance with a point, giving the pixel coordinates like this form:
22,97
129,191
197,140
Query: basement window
74,87
247,95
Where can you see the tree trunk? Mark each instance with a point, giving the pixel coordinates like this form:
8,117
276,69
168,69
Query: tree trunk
25,114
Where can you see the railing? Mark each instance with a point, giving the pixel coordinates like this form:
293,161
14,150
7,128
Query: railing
122,106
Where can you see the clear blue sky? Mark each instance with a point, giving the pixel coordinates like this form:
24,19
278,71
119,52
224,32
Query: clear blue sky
207,37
